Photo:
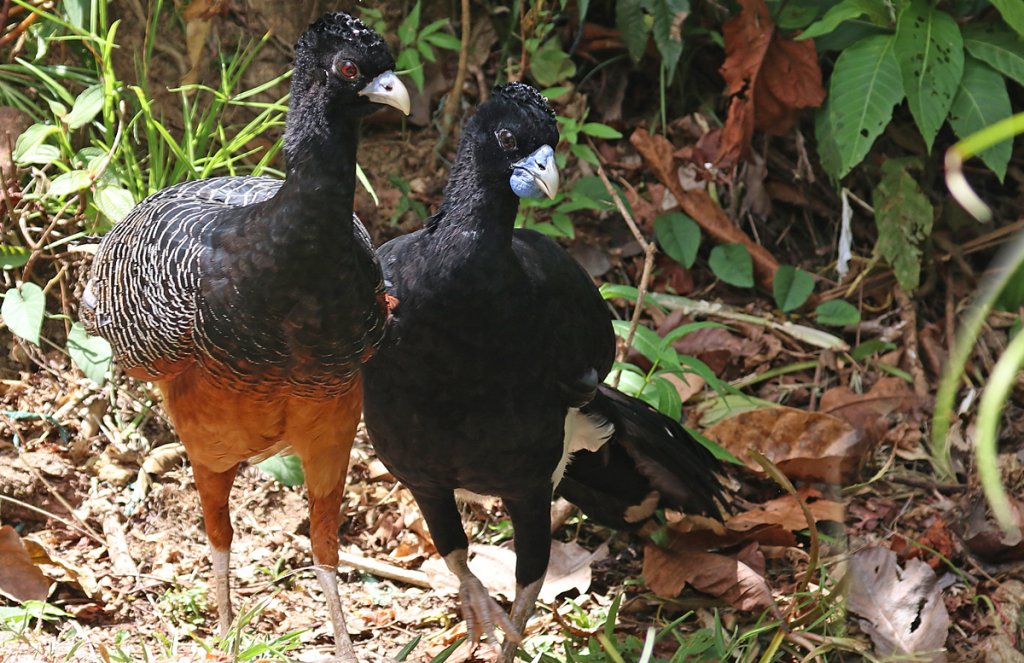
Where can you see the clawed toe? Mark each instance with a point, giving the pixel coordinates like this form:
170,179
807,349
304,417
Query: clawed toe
484,616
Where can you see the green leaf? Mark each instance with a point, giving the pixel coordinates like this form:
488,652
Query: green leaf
599,130
286,469
23,311
840,13
444,40
91,354
632,24
679,237
791,287
87,106
584,153
77,12
13,256
551,64
113,202
669,402
407,28
70,182
732,264
982,100
871,347
31,148
648,343
903,216
837,313
1000,48
930,51
408,62
668,32
432,27
1013,14
554,92
864,89
797,14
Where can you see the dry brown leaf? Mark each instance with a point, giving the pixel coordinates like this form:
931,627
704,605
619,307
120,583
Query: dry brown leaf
20,579
901,609
869,412
667,570
12,123
164,458
805,445
786,512
768,77
984,537
495,566
198,20
702,533
82,577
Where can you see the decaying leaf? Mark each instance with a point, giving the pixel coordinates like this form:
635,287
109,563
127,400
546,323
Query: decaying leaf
901,609
869,412
20,579
12,123
805,445
786,512
495,566
769,78
736,580
198,20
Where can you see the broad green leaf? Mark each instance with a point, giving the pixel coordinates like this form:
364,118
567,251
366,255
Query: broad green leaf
903,216
407,28
70,182
669,402
426,52
23,311
554,92
13,256
91,354
550,64
113,202
1013,14
584,153
632,24
930,51
828,146
648,343
432,27
77,12
864,89
599,130
791,287
840,13
679,237
1000,48
732,264
982,100
286,469
87,106
668,32
31,148
797,14
837,313
444,40
871,347
408,62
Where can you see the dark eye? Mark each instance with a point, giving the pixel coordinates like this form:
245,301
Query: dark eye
347,69
506,139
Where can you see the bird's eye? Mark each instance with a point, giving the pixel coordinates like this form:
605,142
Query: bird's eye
506,139
347,69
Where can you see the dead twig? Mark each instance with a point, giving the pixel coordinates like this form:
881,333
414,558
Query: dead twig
645,277
451,104
117,547
384,570
908,312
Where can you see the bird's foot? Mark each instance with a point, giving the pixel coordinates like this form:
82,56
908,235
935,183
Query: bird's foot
483,615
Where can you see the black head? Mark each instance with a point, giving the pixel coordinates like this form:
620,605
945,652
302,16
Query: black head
340,57
506,133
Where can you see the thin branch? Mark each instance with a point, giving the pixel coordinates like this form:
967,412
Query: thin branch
649,249
451,104
384,570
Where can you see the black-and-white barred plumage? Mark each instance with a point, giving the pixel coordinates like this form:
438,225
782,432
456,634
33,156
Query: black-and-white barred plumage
145,296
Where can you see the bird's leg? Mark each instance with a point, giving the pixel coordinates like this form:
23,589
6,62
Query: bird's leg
531,520
481,612
324,518
214,489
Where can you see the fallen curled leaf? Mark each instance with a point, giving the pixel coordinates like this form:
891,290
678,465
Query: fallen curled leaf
769,78
785,511
809,446
198,21
12,123
495,566
164,458
80,576
870,411
984,537
734,579
20,579
901,609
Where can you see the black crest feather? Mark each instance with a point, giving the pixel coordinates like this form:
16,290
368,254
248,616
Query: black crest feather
527,97
339,26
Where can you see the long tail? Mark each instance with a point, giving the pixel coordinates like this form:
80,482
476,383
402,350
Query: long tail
649,461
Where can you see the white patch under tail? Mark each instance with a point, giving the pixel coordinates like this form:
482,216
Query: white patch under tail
582,432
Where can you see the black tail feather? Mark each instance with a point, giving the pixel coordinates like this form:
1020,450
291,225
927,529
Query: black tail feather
647,452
